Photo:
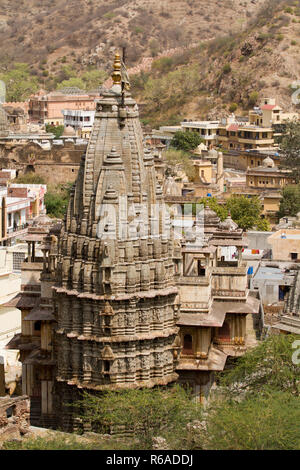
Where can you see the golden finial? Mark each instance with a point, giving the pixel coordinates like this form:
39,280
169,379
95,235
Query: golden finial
116,75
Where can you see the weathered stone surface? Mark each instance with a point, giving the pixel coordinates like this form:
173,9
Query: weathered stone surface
112,274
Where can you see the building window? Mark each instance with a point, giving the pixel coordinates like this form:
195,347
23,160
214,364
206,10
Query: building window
106,366
294,255
201,269
37,325
187,344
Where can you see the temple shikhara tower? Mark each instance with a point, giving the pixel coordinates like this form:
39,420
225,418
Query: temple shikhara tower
115,294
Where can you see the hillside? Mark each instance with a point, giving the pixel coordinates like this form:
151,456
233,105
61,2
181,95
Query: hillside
47,34
198,59
228,73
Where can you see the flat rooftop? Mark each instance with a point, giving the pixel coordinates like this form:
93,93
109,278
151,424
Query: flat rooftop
268,272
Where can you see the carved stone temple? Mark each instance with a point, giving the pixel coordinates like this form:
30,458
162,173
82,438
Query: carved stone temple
117,300
115,295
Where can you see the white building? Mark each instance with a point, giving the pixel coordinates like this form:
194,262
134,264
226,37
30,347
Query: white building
18,204
82,121
10,316
206,129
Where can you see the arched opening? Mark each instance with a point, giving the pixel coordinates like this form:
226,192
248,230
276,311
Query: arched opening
224,332
187,344
29,169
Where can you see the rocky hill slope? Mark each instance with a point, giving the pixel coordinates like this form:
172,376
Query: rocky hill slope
228,73
188,58
85,31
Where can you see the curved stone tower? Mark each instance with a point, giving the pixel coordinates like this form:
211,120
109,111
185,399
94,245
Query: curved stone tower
115,296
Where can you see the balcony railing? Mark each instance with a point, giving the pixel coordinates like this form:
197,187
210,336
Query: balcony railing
17,229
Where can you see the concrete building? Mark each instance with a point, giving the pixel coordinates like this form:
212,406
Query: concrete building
217,310
273,283
244,136
285,245
268,176
19,203
47,107
10,316
81,120
206,129
270,114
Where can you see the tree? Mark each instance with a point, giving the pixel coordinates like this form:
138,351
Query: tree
262,225
19,83
56,130
257,403
186,140
253,97
146,412
219,209
267,422
290,202
244,211
72,82
57,199
290,149
268,366
93,78
233,107
179,160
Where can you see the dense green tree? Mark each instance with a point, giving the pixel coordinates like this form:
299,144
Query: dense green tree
244,211
57,199
261,422
272,365
19,83
219,209
290,202
262,225
72,82
146,412
290,149
56,130
93,78
186,140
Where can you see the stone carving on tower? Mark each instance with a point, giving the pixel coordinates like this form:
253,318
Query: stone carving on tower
115,294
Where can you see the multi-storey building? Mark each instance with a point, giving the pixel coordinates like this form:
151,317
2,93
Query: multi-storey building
206,129
81,120
18,204
217,310
47,107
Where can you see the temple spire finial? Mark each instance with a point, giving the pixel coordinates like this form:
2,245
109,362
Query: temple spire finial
116,75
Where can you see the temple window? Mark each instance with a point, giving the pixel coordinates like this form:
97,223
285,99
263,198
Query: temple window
187,344
201,269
